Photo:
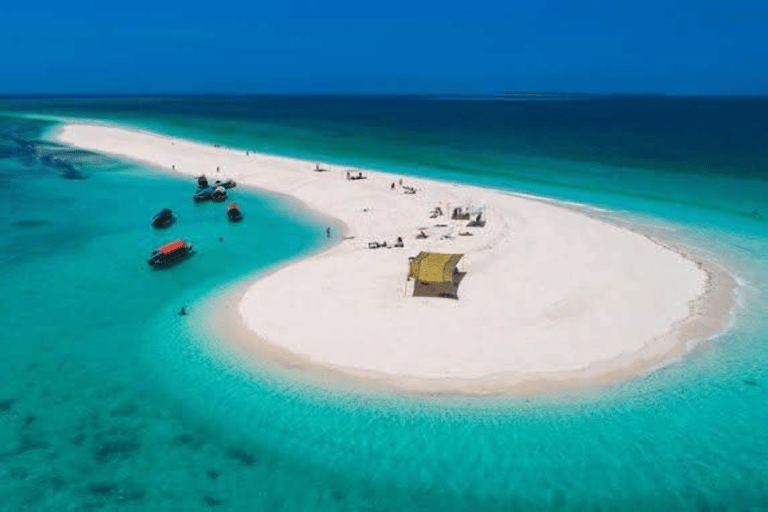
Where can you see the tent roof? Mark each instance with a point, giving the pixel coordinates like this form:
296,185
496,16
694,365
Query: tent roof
476,208
434,267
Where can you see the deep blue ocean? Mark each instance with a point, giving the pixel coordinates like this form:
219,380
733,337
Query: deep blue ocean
109,400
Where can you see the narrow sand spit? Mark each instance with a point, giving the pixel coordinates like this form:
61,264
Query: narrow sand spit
551,297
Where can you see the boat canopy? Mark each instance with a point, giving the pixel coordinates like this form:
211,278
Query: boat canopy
173,246
434,267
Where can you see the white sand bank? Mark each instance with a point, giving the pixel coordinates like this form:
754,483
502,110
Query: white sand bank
549,293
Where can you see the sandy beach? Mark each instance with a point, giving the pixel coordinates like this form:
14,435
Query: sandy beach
550,297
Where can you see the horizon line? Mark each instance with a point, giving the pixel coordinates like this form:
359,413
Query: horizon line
545,94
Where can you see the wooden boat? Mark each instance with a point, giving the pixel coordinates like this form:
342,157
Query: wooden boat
202,181
163,219
226,184
170,253
233,212
219,194
204,194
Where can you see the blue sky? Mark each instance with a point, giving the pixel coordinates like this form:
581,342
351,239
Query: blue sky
667,46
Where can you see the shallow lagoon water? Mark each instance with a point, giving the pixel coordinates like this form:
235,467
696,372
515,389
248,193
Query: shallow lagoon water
111,400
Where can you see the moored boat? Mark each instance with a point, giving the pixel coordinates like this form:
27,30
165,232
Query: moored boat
226,184
164,218
170,253
204,194
233,212
219,194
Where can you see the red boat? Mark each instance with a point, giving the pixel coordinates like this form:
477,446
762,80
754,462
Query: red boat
170,253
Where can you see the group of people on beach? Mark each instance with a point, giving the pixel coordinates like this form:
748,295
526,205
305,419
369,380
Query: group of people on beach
399,182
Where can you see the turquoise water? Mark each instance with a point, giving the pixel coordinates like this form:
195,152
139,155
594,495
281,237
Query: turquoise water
112,401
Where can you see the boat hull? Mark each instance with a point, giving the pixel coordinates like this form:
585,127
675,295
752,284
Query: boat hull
163,260
226,184
163,220
233,212
164,223
203,195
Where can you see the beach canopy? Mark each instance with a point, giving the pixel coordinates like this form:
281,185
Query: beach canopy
434,267
475,209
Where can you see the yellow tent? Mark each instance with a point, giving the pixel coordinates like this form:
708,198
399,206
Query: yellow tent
434,267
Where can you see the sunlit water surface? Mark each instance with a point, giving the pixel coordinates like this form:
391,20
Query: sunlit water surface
111,400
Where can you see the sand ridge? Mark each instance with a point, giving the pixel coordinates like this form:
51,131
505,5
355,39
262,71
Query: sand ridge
548,293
